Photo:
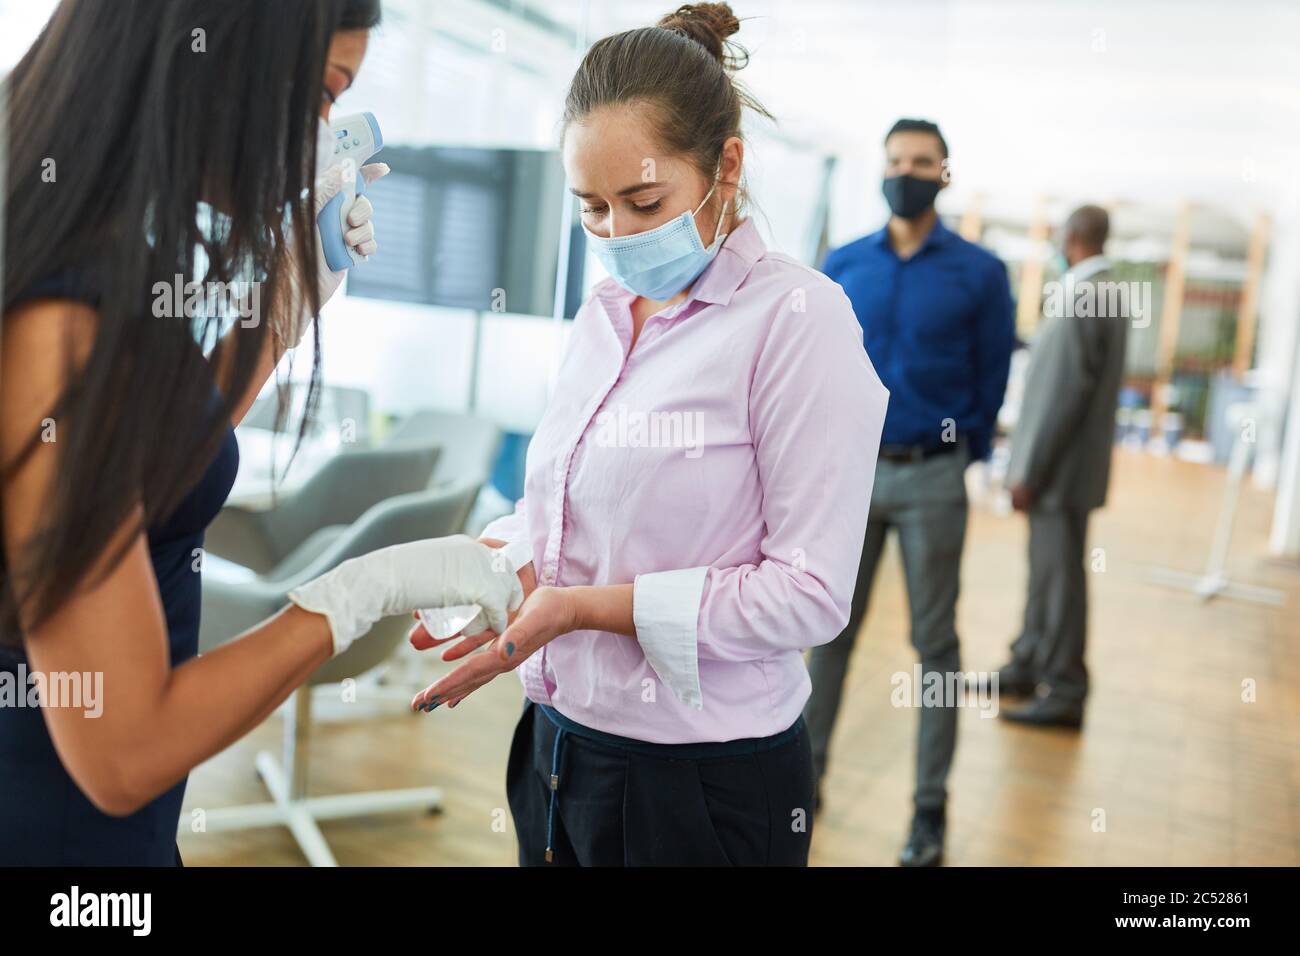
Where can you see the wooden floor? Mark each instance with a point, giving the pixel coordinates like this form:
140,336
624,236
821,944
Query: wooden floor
1178,767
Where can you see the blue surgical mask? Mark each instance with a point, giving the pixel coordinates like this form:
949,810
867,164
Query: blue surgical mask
661,262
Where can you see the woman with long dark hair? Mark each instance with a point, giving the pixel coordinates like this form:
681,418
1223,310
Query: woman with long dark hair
153,143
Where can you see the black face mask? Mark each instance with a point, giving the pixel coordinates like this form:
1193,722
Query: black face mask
908,196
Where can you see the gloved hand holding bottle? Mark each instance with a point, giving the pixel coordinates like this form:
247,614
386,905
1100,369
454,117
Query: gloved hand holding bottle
405,577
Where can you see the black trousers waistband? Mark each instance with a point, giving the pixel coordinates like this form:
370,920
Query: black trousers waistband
694,751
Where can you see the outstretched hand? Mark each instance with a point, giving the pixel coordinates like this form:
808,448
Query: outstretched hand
545,614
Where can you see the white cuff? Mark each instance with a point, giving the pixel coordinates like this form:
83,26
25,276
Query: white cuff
513,530
517,552
666,612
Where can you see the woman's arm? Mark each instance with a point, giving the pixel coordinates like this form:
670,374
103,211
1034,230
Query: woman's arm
155,723
603,608
222,361
816,412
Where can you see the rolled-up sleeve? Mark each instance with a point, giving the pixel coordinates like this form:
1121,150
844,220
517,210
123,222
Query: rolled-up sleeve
665,611
817,409
513,530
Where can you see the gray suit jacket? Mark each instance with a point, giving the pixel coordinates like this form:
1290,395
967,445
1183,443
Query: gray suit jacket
1062,443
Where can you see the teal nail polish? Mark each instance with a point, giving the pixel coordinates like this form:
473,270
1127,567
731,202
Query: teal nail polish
510,649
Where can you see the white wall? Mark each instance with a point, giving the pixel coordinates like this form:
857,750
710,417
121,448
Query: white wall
1152,100
414,356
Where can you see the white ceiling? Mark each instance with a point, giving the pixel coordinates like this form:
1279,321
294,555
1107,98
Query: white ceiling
1144,101
1137,102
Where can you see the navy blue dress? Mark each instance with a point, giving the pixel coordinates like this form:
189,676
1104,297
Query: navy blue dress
45,819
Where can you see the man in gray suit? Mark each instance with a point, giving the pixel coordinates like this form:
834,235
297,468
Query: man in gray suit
1060,467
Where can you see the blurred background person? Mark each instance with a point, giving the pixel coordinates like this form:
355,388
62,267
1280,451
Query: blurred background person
1060,469
937,321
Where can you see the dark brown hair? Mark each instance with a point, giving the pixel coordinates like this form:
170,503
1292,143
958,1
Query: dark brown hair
151,127
1090,225
681,70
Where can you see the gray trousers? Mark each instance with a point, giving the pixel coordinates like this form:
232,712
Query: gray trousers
925,502
1050,647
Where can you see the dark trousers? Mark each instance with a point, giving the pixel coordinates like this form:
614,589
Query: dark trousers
925,502
615,807
1050,647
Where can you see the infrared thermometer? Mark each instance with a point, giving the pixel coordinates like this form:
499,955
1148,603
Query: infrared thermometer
356,139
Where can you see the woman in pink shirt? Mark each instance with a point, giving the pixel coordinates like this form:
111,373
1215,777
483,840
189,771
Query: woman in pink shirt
696,492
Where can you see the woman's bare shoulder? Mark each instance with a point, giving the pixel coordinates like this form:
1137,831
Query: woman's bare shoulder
42,343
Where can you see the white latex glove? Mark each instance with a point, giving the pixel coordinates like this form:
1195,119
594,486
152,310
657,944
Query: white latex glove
361,237
405,577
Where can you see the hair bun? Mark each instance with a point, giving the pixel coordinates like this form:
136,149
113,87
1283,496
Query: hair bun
709,24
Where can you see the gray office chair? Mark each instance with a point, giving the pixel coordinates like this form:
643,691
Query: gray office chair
281,540
235,599
337,406
469,444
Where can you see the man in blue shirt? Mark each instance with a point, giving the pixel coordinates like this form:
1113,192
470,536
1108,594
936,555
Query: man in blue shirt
938,322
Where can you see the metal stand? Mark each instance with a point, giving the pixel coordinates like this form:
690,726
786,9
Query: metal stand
1214,581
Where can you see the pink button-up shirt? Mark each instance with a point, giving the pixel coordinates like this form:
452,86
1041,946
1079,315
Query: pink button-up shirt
723,466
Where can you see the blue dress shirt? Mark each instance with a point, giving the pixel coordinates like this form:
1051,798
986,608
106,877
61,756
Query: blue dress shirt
939,327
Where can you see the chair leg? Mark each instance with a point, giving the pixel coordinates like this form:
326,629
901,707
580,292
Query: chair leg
297,741
291,807
294,814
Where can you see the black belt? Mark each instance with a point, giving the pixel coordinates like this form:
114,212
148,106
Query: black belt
915,453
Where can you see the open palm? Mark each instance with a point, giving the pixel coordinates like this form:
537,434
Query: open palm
545,614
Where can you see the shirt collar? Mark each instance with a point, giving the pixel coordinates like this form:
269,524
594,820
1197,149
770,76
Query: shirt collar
720,279
938,236
1089,267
